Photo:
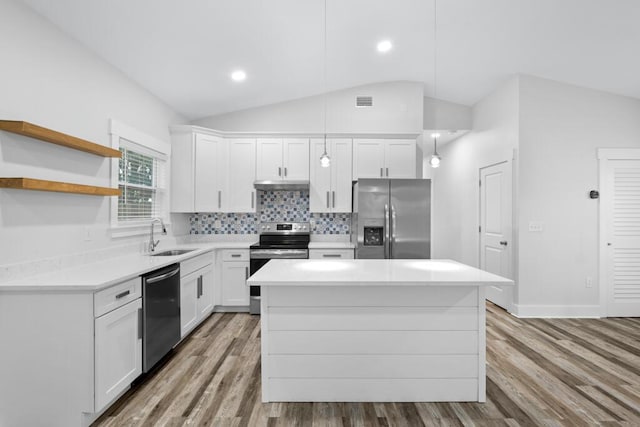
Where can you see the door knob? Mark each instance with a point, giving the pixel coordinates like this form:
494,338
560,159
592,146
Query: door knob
503,243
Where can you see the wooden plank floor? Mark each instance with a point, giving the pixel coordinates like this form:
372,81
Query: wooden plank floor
540,372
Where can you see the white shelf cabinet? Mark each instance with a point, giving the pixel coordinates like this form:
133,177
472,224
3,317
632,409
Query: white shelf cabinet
330,188
235,272
384,158
282,159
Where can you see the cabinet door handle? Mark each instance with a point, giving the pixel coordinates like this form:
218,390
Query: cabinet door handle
331,256
235,255
387,171
123,294
503,243
219,199
285,172
140,320
246,273
252,199
327,199
381,172
279,171
333,195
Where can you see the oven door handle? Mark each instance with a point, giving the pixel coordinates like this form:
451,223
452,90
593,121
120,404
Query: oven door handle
278,253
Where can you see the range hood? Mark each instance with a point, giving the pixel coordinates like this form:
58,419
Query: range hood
281,185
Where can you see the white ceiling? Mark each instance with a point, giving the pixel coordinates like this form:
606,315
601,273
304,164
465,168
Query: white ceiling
184,51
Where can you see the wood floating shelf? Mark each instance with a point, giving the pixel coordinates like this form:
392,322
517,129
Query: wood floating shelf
61,187
54,137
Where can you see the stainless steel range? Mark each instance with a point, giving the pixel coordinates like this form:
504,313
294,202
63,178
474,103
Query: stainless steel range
278,240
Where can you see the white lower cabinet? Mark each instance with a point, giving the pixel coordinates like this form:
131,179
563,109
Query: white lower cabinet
188,303
118,352
196,291
330,253
235,272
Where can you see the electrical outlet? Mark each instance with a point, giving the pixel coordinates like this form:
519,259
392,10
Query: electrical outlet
87,234
588,282
217,223
536,226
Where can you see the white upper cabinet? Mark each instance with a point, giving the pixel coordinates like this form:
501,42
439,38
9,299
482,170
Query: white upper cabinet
295,159
212,174
384,158
330,188
282,159
240,193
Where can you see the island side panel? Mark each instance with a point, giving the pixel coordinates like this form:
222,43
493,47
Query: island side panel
377,343
264,342
482,344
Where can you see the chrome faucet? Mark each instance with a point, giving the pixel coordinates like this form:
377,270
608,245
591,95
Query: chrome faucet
152,243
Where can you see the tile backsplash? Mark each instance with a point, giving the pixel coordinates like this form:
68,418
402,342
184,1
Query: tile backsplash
273,206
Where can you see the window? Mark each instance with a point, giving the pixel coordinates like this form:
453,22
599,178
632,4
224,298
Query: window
141,183
141,176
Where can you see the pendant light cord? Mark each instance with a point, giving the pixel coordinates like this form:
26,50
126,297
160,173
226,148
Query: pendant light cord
325,76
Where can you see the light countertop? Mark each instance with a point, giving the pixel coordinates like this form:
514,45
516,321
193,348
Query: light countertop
98,275
372,272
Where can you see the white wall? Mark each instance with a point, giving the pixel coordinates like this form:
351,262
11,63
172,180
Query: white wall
561,127
456,200
397,108
439,114
51,80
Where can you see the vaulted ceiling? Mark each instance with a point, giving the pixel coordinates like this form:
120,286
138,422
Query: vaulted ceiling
184,51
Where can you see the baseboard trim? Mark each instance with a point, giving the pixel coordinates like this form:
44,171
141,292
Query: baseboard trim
561,311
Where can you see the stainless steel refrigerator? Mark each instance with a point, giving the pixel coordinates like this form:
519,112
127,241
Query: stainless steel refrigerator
392,218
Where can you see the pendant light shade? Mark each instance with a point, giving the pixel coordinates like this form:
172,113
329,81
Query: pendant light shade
325,160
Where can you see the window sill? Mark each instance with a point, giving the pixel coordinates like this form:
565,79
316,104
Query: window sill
135,229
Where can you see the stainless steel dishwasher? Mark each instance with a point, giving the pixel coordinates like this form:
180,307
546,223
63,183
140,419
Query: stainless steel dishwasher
161,314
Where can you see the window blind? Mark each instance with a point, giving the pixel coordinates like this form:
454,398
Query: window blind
141,179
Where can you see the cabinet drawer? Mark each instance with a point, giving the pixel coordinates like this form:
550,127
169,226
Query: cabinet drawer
116,296
196,263
235,255
330,253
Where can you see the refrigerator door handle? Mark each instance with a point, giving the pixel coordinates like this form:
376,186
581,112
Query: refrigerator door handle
386,231
393,231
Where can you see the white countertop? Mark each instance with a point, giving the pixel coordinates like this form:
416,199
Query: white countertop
98,275
372,272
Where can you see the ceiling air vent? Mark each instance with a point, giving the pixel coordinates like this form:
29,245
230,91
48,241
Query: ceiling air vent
364,101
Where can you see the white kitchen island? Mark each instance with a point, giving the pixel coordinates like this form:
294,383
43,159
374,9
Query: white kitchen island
373,330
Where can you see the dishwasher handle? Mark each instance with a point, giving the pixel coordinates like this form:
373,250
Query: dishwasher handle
163,276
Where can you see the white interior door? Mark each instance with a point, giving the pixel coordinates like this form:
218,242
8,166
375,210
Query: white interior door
620,242
495,229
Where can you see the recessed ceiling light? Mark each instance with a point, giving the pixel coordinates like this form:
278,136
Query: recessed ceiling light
384,46
238,76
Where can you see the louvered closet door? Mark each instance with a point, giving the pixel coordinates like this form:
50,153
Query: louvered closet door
621,198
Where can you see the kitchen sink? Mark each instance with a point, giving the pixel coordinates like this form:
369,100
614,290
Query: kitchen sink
173,252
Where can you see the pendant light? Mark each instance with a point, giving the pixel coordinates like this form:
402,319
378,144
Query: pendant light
325,160
434,161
